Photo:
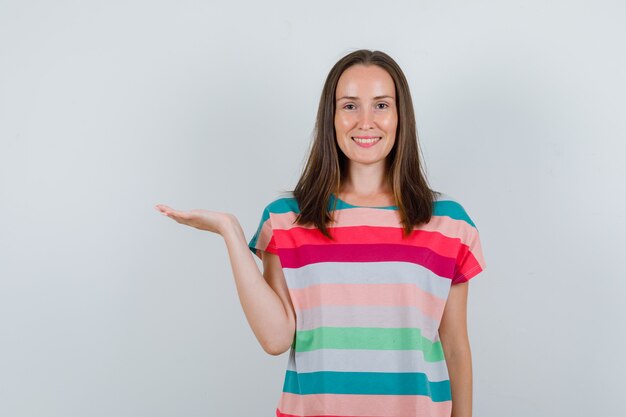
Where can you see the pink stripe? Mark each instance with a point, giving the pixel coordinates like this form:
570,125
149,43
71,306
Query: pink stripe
368,294
435,241
336,405
358,252
266,240
470,264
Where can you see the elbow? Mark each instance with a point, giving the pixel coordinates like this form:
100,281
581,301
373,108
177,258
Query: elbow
281,341
278,346
276,349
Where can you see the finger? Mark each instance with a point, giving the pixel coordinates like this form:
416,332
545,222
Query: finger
180,219
162,208
167,211
179,216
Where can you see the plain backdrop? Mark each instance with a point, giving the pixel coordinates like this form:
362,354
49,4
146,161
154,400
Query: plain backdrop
108,308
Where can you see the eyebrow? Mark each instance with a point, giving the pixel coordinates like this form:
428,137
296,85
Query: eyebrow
356,98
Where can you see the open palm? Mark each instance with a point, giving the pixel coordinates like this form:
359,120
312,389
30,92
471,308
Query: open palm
212,221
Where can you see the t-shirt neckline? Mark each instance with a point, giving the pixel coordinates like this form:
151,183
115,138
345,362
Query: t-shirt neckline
353,205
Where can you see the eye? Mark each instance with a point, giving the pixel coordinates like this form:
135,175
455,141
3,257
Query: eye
384,104
346,106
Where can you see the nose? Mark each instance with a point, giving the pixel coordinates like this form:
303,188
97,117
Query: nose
367,118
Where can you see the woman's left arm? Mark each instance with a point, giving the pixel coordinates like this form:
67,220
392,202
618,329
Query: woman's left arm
456,348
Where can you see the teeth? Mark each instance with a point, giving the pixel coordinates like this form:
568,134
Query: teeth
359,140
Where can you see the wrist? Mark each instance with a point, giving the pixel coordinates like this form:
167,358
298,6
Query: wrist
230,227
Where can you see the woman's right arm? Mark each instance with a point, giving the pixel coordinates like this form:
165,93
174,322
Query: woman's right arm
264,297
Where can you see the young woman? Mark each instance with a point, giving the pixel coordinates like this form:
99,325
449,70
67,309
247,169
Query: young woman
365,268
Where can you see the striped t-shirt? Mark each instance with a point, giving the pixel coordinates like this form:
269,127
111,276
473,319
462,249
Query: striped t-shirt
368,306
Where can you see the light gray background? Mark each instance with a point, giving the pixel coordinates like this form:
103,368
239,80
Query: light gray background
108,308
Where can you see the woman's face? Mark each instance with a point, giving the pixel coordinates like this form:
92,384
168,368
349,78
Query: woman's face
365,108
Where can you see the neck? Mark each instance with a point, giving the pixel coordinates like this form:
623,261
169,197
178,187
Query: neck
366,180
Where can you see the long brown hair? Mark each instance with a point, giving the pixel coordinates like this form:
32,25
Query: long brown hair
326,166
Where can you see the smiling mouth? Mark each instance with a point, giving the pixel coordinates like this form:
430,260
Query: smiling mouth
366,141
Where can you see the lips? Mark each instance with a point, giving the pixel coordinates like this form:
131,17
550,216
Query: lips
366,139
366,142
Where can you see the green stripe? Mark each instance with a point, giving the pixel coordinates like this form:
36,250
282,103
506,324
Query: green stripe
451,209
401,338
448,208
369,383
284,205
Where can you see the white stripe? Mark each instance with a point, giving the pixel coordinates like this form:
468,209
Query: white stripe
392,272
365,360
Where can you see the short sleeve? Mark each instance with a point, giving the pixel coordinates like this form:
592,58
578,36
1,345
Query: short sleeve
469,261
263,239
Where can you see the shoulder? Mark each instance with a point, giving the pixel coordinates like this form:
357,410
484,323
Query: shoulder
450,206
282,202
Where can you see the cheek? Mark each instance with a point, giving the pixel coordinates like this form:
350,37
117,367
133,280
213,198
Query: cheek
341,123
391,122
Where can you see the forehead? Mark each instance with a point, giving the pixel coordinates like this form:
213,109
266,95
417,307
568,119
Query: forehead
361,80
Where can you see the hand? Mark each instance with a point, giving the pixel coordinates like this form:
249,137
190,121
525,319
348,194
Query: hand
212,221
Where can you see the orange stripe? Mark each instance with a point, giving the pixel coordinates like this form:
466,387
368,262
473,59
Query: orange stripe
362,405
380,218
368,294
